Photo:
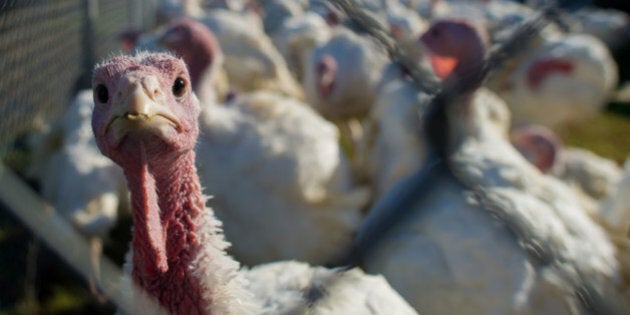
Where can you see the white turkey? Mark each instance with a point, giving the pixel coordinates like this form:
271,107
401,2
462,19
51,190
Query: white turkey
478,228
299,200
251,61
81,184
612,26
342,74
616,207
591,174
84,187
391,149
296,38
559,79
275,12
146,120
340,81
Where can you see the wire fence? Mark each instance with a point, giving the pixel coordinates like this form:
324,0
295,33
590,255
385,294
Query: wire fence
48,50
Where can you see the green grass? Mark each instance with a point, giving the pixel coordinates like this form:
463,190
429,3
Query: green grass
607,134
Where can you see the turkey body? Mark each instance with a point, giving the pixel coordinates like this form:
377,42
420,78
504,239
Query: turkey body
284,188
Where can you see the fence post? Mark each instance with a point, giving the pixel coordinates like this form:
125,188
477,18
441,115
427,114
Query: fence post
90,13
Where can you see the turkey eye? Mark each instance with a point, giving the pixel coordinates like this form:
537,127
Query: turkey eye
101,93
179,87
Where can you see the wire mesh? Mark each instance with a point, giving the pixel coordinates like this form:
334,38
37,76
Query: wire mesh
47,51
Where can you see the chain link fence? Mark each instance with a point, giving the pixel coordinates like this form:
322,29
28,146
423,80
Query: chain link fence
48,49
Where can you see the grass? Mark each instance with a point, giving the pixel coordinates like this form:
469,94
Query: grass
607,134
33,280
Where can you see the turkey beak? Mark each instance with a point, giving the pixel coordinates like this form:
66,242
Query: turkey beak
140,104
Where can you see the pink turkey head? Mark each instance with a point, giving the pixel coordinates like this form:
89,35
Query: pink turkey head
539,145
455,46
195,43
326,71
144,101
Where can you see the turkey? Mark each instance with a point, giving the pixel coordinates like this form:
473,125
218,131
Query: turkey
616,207
478,228
291,156
146,120
301,201
342,74
560,79
251,60
605,185
611,26
82,185
589,173
391,148
296,38
201,50
64,172
340,80
405,25
275,12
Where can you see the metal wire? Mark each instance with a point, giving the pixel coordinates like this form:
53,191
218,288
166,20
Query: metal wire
48,49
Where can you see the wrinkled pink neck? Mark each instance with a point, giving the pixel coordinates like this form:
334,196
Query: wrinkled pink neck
167,203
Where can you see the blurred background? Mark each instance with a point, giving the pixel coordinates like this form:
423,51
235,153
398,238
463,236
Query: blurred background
47,52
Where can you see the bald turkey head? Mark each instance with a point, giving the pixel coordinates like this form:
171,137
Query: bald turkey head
144,101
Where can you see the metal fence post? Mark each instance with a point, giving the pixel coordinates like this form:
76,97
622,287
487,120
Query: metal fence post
90,13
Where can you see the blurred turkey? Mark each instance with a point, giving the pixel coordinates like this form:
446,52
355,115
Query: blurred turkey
297,37
342,74
340,81
478,228
251,60
82,185
200,49
391,149
610,25
299,200
562,82
591,174
275,12
559,79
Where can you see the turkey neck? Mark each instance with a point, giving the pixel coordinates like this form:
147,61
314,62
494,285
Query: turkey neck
166,204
